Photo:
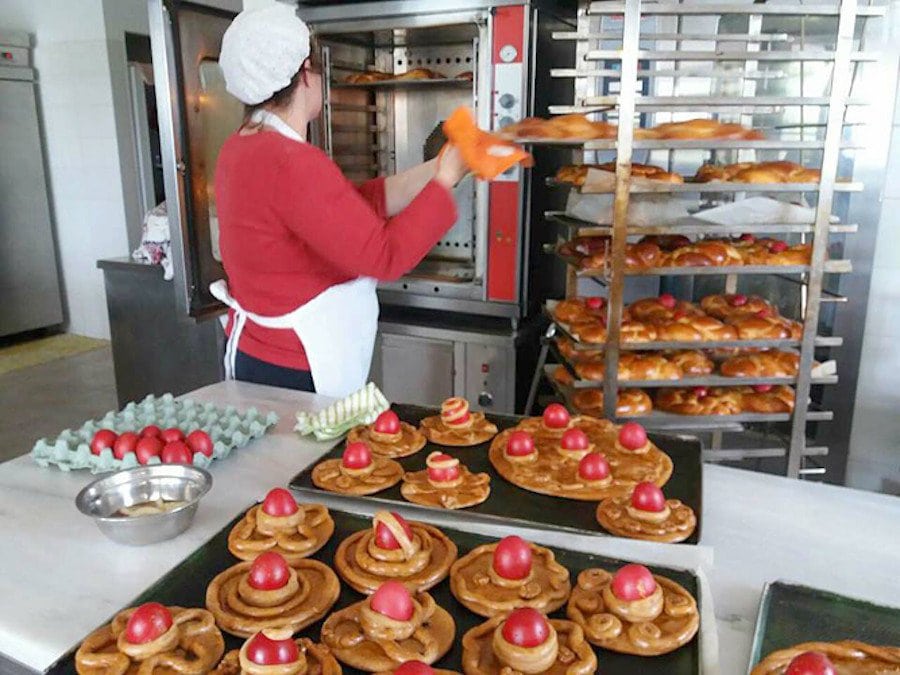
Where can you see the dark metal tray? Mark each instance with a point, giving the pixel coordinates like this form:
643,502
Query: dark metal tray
790,614
186,586
509,503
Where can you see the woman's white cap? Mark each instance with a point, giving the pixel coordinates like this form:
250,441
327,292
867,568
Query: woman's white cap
262,50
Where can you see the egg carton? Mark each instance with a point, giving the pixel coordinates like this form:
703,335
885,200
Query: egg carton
228,427
360,407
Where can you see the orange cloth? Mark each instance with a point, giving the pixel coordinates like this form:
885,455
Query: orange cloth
486,155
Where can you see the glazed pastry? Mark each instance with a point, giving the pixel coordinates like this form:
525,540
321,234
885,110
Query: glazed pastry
389,628
696,328
152,639
703,129
416,554
497,578
416,668
282,525
699,401
846,657
633,611
767,398
762,326
594,331
692,362
577,174
419,74
574,126
357,472
762,364
661,309
552,424
579,309
629,402
276,652
566,347
387,436
732,306
562,375
581,247
457,426
632,366
774,252
647,514
589,462
758,172
446,484
268,593
527,642
706,253
368,77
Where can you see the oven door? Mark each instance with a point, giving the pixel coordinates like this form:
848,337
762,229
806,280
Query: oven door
196,115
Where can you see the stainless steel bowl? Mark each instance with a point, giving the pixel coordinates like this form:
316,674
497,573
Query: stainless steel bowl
103,499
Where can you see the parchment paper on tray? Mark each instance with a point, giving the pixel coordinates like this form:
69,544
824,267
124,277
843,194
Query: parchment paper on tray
644,210
758,211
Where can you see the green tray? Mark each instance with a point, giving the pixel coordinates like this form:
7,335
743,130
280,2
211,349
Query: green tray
790,614
509,503
186,586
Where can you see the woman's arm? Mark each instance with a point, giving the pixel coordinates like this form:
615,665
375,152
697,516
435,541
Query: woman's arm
400,189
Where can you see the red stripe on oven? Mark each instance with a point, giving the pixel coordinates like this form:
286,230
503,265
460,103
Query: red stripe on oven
509,29
503,236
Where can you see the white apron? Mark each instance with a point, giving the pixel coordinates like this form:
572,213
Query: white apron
337,327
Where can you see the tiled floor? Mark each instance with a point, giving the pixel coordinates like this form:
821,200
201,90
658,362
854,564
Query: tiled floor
42,400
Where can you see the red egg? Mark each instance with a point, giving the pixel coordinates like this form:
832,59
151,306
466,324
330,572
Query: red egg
556,416
764,313
519,444
414,668
748,237
177,452
575,439
593,466
526,627
762,388
679,315
595,303
778,246
701,392
357,455
633,582
392,599
199,441
151,430
387,423
810,663
667,300
172,434
147,447
279,503
125,443
632,436
147,623
738,300
385,539
264,651
442,475
512,558
648,497
103,439
269,572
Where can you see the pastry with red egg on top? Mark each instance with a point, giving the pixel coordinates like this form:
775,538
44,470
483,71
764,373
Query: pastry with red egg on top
647,514
388,436
458,426
445,483
357,472
276,652
846,657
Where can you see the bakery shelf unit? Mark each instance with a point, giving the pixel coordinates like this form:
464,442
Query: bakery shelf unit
807,76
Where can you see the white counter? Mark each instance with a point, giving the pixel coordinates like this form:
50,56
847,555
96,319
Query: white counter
61,577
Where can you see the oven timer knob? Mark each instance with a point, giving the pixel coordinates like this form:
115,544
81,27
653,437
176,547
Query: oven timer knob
508,53
507,101
504,121
485,400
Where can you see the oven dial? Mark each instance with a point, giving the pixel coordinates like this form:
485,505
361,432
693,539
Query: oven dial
508,53
504,122
485,400
507,101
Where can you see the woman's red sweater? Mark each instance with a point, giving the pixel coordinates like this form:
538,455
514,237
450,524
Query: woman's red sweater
291,225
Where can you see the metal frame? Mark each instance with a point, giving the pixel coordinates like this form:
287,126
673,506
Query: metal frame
845,56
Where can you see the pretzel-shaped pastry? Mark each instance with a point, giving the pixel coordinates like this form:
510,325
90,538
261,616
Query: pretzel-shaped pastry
191,645
445,483
762,364
457,425
389,628
527,642
357,472
416,554
309,658
389,437
649,616
249,597
848,656
279,524
629,402
699,401
734,305
646,514
500,577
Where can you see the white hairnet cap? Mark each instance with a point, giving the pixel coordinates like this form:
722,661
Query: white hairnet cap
262,50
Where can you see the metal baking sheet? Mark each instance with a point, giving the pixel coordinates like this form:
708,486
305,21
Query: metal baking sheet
509,503
790,614
186,586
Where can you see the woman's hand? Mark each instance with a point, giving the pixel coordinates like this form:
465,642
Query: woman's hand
450,167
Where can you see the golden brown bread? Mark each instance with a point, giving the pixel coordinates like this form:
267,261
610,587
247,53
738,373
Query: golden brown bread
699,400
420,74
659,309
758,327
629,402
710,252
572,310
703,129
573,126
765,398
576,174
692,362
567,348
368,77
632,366
758,172
728,306
772,363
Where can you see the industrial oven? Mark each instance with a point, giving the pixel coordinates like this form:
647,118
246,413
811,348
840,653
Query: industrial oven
466,320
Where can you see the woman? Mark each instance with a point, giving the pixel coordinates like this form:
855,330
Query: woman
303,246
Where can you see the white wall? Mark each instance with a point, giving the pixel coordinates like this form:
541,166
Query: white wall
75,90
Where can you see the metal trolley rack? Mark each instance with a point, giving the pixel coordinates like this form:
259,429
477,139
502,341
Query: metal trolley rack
637,43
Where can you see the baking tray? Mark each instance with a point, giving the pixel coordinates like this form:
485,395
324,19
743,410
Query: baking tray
186,586
791,613
511,504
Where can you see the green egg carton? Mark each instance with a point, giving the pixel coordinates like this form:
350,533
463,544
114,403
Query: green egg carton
228,427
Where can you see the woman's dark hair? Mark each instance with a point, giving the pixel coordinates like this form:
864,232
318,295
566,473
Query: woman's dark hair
277,100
